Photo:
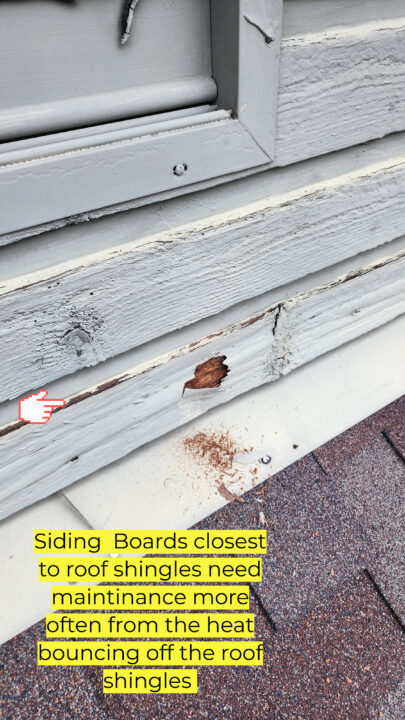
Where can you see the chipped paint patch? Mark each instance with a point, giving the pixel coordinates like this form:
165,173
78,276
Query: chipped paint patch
208,374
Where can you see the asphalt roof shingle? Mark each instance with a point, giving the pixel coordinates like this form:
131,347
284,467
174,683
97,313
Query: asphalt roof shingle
314,540
332,632
373,485
390,420
394,706
29,692
338,661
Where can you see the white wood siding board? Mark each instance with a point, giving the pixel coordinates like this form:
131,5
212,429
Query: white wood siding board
337,88
74,316
309,16
78,382
340,87
121,208
108,421
70,245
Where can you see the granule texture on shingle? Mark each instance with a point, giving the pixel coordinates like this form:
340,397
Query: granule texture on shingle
344,446
394,425
390,419
393,707
373,484
341,659
339,652
336,662
225,693
314,541
29,692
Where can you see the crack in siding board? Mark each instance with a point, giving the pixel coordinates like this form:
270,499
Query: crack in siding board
108,385
278,359
352,275
43,281
255,319
276,318
10,428
103,387
275,364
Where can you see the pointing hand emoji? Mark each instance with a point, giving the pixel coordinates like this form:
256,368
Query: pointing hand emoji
37,408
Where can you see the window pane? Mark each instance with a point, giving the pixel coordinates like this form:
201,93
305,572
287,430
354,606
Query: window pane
61,59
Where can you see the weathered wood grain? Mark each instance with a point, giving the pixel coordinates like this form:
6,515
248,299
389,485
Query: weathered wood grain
340,87
81,312
106,421
312,16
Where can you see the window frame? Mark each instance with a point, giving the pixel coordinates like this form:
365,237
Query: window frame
103,168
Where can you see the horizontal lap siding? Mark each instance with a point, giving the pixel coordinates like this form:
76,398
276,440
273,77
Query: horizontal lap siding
106,304
339,88
106,421
311,16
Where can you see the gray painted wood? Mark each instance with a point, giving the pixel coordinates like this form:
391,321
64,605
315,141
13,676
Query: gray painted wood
263,17
338,87
61,63
312,16
81,311
101,174
113,105
106,421
116,314
55,186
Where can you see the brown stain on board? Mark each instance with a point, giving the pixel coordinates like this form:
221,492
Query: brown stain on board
108,385
208,374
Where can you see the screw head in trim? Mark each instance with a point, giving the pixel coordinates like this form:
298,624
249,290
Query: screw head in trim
265,460
180,169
